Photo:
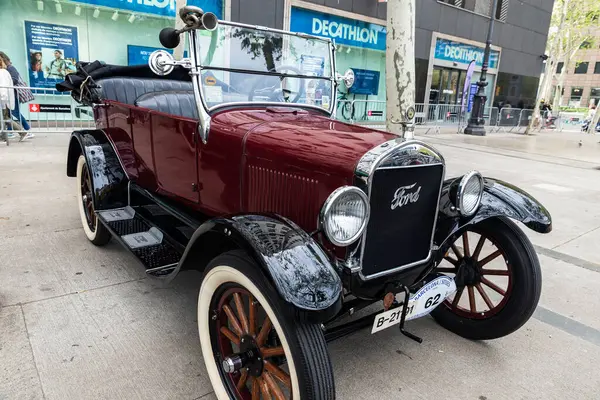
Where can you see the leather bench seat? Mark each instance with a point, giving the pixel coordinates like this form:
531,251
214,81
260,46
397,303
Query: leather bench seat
180,103
128,90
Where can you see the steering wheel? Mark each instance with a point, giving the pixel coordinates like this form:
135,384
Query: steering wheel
279,91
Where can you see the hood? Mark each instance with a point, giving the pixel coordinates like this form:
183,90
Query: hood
310,142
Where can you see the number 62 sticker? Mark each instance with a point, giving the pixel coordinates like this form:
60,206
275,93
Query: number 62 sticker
420,304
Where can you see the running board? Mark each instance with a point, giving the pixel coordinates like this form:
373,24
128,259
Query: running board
152,248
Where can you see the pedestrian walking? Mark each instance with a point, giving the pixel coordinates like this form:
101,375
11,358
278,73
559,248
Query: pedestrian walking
7,103
21,95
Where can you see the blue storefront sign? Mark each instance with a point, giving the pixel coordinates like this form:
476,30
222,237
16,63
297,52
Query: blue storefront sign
449,50
343,30
365,82
164,8
52,52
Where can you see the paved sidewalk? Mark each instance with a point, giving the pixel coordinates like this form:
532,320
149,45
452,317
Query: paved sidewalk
81,322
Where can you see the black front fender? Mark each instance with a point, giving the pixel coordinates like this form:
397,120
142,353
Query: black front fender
296,265
499,199
109,180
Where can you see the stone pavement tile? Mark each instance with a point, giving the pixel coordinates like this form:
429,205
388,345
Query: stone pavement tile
585,246
132,341
571,291
36,195
536,362
46,265
18,375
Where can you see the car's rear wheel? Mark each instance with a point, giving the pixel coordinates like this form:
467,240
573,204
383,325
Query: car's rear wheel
94,230
498,279
252,346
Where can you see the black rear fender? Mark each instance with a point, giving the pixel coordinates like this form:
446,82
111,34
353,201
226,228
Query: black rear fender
295,264
109,180
499,199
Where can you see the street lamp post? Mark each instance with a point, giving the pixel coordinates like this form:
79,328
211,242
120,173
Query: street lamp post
476,125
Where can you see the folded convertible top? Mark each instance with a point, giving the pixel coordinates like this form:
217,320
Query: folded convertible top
84,83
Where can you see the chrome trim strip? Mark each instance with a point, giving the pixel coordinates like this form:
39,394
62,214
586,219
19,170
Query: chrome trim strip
334,82
257,104
195,73
364,171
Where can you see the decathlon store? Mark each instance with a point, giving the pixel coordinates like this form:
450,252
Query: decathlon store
45,38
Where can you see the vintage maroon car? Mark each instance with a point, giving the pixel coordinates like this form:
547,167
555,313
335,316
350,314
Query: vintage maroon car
231,162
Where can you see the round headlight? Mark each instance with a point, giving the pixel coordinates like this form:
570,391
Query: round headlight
470,190
344,215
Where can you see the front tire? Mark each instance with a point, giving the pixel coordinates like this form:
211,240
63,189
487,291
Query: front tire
501,292
241,315
97,233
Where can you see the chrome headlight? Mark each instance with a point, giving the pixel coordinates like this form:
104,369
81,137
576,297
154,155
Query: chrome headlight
344,215
470,190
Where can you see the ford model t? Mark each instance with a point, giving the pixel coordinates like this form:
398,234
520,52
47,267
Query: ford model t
230,162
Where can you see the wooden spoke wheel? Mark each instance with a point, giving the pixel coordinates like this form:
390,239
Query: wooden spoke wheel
250,351
95,232
482,274
252,346
498,280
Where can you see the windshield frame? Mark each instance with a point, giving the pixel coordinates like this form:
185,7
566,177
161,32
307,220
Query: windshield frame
195,53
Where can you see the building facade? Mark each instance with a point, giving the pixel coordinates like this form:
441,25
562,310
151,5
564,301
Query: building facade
41,36
581,83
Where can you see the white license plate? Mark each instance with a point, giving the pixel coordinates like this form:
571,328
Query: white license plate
420,304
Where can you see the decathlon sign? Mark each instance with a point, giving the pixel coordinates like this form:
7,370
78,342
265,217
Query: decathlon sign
449,50
157,7
343,30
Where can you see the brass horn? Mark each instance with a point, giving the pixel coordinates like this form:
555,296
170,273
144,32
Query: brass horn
195,18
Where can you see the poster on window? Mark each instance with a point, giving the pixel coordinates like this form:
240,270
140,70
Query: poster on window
52,52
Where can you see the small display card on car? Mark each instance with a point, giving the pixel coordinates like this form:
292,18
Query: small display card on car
420,304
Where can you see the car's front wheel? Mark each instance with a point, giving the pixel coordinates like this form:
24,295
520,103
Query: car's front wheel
252,346
94,230
498,277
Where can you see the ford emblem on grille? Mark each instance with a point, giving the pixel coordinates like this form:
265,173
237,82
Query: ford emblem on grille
405,195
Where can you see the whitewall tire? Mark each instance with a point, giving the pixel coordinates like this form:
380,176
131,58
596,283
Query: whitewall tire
291,360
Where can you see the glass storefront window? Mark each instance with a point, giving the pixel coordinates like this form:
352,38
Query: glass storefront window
595,95
576,94
45,38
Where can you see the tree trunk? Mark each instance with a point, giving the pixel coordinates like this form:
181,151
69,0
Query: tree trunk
594,122
178,51
400,66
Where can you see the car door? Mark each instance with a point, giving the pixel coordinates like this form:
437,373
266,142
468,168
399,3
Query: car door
174,154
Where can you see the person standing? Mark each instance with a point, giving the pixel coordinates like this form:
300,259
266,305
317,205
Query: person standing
7,103
16,79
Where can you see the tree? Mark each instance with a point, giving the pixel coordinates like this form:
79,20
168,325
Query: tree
178,51
572,26
400,66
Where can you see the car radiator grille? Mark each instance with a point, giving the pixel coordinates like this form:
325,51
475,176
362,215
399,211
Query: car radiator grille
292,196
404,203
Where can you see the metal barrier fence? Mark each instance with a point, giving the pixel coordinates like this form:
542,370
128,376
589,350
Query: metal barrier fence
50,111
440,116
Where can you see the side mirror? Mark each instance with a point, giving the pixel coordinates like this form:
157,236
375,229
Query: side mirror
347,78
161,62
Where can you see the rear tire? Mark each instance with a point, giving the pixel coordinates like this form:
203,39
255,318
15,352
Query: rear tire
521,298
95,231
305,350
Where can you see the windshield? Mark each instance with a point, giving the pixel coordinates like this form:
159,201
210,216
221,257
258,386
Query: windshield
241,65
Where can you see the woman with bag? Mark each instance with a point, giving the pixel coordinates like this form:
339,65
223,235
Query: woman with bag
21,95
7,103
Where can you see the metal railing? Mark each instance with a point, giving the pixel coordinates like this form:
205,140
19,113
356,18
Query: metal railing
50,111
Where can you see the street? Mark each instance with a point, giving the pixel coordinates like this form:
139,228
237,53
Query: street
82,322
